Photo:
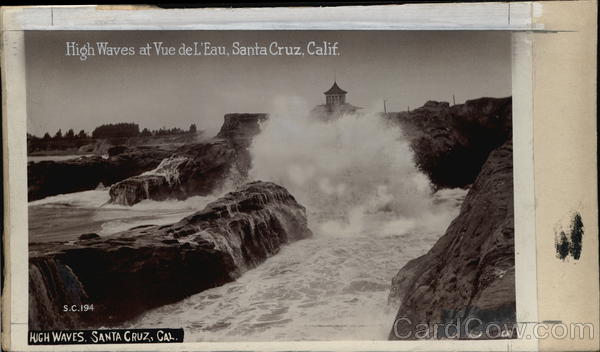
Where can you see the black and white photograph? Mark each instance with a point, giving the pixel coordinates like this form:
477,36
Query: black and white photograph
271,185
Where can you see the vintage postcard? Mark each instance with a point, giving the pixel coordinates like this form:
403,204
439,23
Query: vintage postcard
223,186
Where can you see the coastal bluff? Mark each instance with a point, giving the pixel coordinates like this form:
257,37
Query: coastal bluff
470,271
197,168
125,274
167,167
451,143
49,178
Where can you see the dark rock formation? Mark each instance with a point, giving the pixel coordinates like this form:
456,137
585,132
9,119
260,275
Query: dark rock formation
48,178
196,169
451,143
52,285
118,149
469,272
88,236
130,272
241,127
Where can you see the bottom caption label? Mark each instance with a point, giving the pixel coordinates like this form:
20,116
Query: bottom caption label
74,337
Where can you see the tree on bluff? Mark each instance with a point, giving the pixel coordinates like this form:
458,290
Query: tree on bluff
146,133
116,130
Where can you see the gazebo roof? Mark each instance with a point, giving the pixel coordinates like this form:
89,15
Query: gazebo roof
335,90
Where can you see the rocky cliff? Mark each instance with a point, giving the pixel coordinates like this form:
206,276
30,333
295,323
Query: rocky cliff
470,271
241,127
196,169
130,272
48,178
451,143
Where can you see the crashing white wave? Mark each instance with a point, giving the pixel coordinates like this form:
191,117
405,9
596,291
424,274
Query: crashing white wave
99,198
371,212
169,168
37,158
321,288
114,217
347,172
85,199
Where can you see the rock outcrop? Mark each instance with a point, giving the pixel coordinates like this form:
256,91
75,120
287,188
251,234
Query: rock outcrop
469,272
451,143
241,127
127,273
48,178
196,169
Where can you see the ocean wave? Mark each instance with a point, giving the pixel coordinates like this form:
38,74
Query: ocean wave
354,174
322,288
113,218
99,198
85,199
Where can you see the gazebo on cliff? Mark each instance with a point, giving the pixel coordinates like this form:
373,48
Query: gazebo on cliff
335,104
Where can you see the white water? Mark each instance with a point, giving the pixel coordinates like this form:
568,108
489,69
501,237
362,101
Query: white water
369,208
36,158
169,168
319,288
66,216
346,170
333,286
371,212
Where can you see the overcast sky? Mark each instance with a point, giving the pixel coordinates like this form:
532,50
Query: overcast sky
405,68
